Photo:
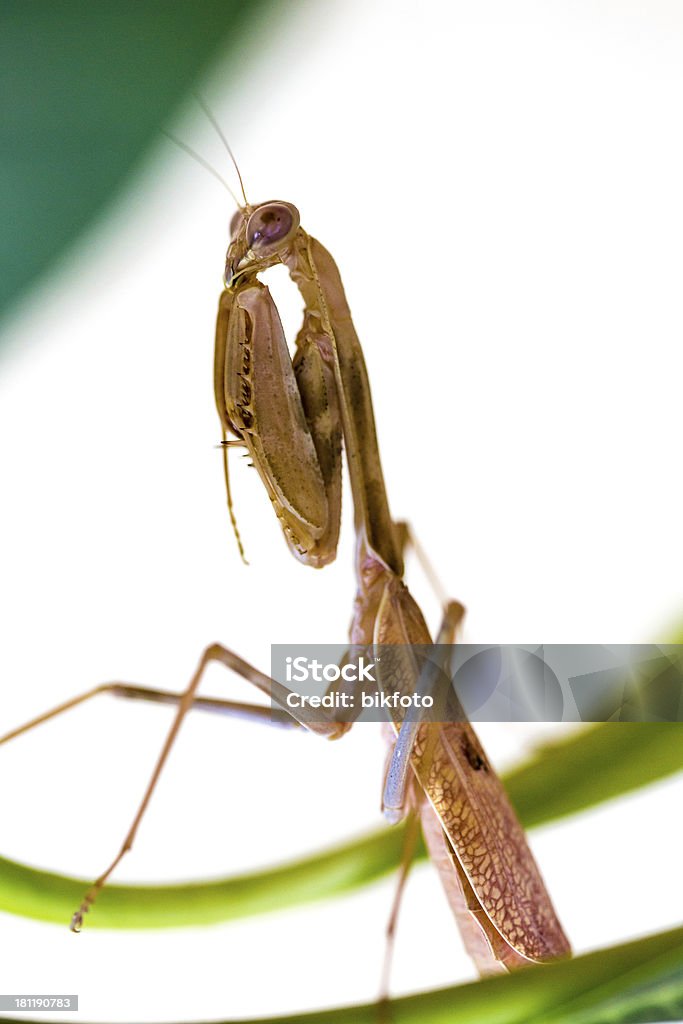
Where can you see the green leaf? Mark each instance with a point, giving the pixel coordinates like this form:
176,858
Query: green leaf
594,765
630,984
50,897
86,88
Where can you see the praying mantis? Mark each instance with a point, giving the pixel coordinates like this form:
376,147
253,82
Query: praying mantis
295,417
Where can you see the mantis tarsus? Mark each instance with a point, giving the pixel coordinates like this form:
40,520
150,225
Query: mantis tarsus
294,417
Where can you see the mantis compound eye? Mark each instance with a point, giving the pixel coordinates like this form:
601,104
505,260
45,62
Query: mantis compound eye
235,222
270,225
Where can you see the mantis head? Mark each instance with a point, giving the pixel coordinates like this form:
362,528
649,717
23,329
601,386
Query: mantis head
259,235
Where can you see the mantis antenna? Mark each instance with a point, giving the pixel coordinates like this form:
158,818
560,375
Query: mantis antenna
219,131
225,444
202,162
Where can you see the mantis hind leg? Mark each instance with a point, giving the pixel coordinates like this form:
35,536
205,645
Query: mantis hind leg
408,540
270,687
410,839
131,691
184,702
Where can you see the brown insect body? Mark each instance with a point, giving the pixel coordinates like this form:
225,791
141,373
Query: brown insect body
297,416
293,417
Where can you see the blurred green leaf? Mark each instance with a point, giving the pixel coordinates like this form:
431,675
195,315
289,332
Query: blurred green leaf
632,984
86,86
594,765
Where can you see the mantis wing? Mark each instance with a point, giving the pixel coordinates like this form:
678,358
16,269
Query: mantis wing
485,843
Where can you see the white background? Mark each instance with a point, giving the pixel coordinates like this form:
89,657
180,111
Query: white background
500,185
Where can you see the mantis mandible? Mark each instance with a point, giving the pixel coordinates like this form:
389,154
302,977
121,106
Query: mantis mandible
294,417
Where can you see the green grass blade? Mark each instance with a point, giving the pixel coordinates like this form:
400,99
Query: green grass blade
630,984
595,765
